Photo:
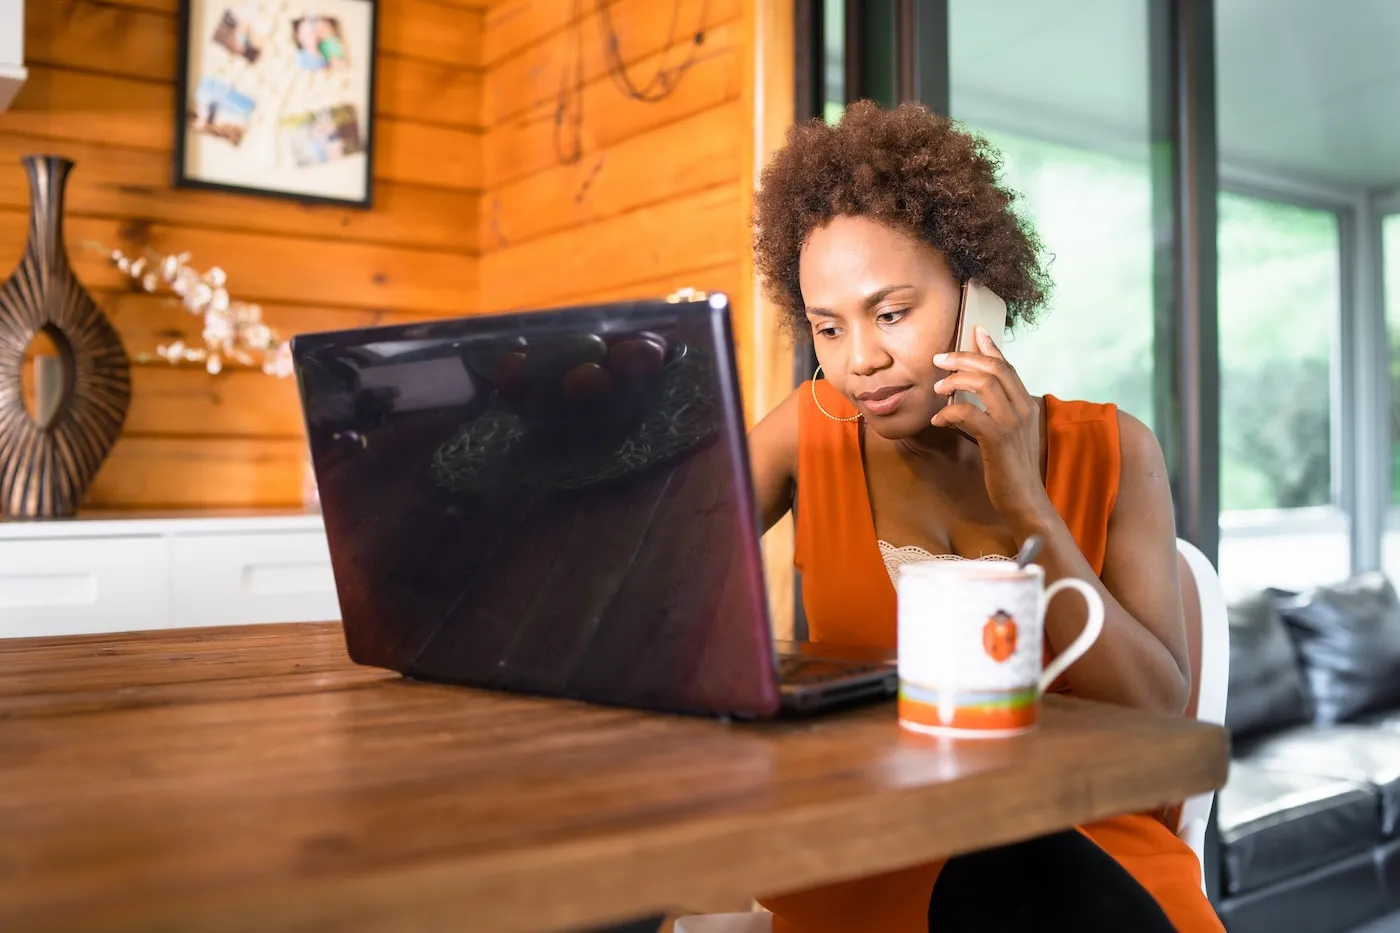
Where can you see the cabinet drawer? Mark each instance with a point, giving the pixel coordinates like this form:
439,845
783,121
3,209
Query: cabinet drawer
235,579
80,586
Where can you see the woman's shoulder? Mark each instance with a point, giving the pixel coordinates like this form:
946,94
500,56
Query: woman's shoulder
1059,411
1128,435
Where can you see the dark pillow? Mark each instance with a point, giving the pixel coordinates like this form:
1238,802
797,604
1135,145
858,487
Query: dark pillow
1266,684
1348,640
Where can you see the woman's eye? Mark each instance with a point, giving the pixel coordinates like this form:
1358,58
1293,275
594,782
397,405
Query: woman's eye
828,332
891,317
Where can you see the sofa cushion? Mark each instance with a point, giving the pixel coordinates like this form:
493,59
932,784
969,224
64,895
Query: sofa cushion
1356,753
1348,639
1275,824
1389,720
1337,896
1266,684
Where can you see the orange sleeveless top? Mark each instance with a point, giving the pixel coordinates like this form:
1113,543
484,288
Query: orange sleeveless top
849,599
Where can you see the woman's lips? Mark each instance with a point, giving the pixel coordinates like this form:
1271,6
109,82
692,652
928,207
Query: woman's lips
883,401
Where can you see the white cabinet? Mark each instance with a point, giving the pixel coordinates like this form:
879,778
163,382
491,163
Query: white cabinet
112,574
230,579
12,70
83,585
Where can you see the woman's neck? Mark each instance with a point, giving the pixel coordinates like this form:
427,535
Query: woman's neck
934,443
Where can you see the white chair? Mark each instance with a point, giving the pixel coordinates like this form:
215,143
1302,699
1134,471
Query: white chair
1208,645
1208,641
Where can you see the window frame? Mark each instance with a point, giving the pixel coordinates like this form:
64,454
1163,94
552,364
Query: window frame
1378,206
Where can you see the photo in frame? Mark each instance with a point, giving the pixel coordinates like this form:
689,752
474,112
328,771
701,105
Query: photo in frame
276,98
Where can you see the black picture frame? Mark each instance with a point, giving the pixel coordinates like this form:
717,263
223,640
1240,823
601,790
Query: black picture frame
196,14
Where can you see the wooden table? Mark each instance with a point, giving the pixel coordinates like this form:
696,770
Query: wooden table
253,779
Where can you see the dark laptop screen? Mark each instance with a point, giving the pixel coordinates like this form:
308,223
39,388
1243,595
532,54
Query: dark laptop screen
554,502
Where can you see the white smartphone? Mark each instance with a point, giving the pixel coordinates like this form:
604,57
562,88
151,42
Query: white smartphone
979,306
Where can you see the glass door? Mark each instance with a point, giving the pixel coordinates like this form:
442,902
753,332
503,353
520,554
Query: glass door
1281,523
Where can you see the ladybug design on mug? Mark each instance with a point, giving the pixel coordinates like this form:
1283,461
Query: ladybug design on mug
999,636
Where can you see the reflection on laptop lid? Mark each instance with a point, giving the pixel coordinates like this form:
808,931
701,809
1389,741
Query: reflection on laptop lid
555,502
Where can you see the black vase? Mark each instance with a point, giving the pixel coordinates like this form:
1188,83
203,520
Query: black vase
45,468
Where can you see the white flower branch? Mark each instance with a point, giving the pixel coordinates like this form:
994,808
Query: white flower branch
233,331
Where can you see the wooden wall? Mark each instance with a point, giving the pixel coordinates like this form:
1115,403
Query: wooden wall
620,197
100,92
654,200
474,208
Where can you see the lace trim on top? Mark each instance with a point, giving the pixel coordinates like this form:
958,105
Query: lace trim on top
896,557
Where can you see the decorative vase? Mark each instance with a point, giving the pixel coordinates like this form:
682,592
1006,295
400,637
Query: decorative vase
47,465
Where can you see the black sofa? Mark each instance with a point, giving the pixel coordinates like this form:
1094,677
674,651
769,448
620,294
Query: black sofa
1309,821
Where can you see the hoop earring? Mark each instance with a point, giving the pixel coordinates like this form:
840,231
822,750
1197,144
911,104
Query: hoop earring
819,401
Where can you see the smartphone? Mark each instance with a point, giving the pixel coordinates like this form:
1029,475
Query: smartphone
979,306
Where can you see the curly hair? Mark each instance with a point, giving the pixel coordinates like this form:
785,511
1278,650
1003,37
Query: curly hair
908,168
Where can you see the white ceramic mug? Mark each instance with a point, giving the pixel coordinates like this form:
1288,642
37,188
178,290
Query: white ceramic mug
971,637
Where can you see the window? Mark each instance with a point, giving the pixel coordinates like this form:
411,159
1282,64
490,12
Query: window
1093,212
1390,251
1280,291
1081,163
833,14
1280,311
1390,258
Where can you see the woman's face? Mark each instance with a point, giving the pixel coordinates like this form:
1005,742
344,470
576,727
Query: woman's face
881,304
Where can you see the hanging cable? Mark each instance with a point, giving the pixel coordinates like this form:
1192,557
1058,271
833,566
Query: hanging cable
568,106
663,83
568,109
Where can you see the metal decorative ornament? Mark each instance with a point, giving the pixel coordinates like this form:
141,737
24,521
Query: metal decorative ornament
46,468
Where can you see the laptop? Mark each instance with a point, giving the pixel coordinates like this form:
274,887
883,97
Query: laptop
558,503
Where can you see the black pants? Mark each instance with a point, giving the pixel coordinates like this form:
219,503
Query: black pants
1059,882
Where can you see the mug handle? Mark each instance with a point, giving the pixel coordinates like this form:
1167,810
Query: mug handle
1092,627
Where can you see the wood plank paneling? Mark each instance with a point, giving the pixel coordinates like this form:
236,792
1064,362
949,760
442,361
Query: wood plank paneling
692,232
269,267
100,37
644,28
81,107
146,321
199,473
56,103
661,192
526,144
432,30
695,153
514,25
171,6
93,36
158,6
419,153
720,278
119,183
188,402
101,92
767,353
430,92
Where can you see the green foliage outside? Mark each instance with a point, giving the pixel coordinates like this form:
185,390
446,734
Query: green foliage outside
1279,289
1390,244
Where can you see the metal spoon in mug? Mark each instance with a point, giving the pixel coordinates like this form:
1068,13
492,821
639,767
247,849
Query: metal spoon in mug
1030,550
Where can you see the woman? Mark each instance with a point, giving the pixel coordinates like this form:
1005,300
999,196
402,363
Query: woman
866,232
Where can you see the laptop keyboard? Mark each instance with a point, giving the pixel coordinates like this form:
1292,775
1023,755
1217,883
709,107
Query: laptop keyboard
797,670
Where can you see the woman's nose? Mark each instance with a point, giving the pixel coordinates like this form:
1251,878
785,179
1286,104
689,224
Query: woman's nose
867,354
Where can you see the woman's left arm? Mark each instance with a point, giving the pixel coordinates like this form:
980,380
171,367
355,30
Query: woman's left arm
1141,659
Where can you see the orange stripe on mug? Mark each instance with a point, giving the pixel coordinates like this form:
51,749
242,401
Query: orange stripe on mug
990,717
